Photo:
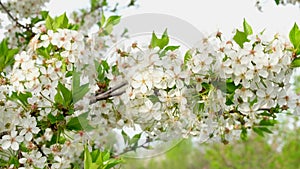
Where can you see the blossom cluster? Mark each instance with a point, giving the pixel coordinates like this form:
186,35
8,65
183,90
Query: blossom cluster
35,75
62,92
213,92
220,90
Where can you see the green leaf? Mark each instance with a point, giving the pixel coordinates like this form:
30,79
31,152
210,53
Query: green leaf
244,134
108,29
78,91
94,4
61,21
66,93
267,122
104,3
266,130
171,48
96,157
295,63
49,23
113,20
277,2
258,131
58,98
44,14
45,52
125,137
6,55
102,68
9,60
105,156
79,123
103,19
54,119
240,38
230,86
135,139
21,97
294,36
132,3
229,99
87,158
51,118
247,28
162,42
168,48
112,163
4,46
187,56
107,25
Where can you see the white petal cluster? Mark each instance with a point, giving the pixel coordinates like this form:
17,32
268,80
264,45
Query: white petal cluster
212,92
195,97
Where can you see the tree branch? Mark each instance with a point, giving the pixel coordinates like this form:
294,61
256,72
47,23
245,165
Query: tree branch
128,149
109,93
14,18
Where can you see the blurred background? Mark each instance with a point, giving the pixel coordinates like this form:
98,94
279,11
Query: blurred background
281,150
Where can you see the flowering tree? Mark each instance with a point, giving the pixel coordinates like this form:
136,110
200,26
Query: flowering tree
61,96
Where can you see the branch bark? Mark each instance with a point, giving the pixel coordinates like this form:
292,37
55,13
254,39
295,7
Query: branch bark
14,18
112,92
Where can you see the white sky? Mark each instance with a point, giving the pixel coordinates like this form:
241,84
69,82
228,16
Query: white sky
206,15
209,15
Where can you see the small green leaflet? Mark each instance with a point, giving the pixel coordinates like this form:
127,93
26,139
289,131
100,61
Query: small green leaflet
168,48
125,137
113,20
267,122
87,158
261,130
294,36
79,123
162,42
187,56
277,2
241,37
21,97
49,23
6,55
247,28
78,91
244,134
55,119
295,63
45,52
132,142
99,159
60,22
94,4
63,96
108,24
102,68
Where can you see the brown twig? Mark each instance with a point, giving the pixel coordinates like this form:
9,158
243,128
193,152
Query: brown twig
14,18
109,93
39,148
